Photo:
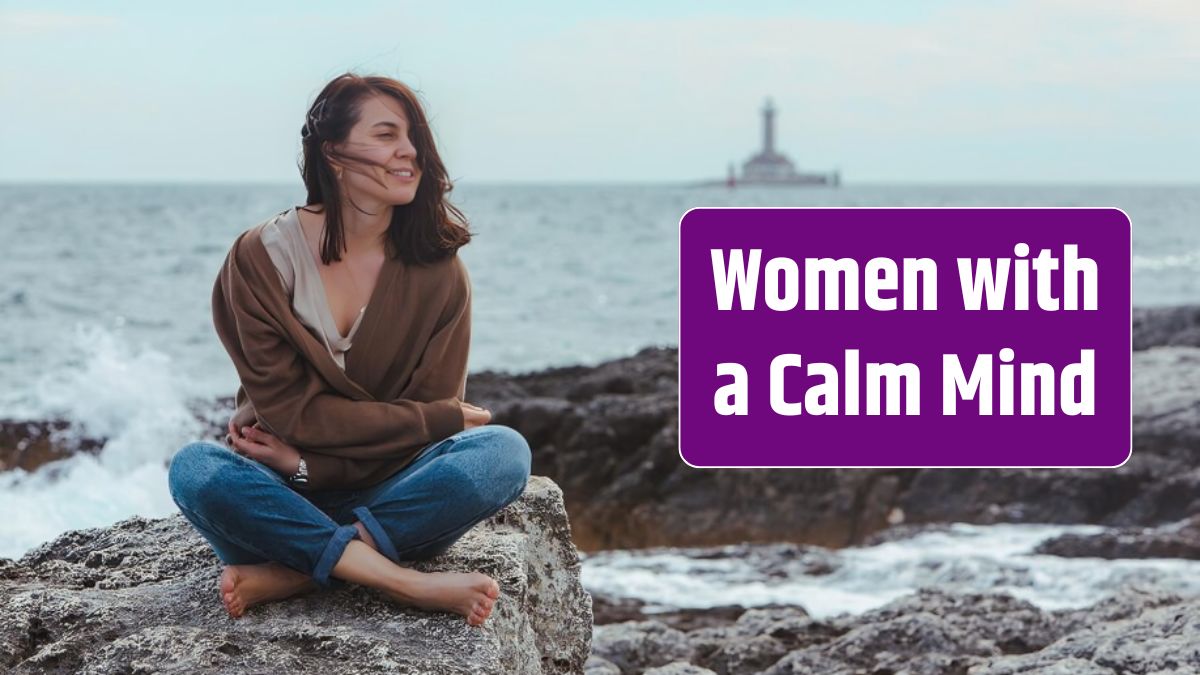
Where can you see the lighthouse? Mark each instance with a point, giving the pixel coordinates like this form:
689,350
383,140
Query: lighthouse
770,167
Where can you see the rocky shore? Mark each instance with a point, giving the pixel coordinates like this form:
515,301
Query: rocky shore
140,597
927,633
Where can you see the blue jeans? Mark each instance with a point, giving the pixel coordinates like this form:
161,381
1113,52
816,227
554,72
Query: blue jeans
249,514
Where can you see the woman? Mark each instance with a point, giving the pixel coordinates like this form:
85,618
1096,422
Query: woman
341,462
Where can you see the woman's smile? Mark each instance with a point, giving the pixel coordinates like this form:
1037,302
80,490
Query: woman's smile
404,176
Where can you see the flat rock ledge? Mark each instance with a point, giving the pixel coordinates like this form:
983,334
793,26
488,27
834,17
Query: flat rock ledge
140,597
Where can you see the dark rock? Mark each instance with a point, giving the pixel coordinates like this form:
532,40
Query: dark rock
931,632
30,444
1176,540
634,646
616,610
1008,625
758,639
607,610
140,596
1166,326
1157,639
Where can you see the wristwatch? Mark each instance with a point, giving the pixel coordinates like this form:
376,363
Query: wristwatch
300,478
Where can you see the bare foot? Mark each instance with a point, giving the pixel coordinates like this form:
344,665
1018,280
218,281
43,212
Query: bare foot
471,595
244,586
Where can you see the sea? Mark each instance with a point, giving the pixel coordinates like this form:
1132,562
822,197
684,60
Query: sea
105,323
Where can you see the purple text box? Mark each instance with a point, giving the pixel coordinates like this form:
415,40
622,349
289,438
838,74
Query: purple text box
766,437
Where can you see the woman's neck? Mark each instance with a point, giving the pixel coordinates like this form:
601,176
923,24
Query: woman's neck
366,232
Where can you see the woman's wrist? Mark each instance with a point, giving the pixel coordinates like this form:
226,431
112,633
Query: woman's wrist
290,465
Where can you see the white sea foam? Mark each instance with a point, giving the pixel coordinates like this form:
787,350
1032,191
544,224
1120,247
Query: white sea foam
134,399
1180,261
966,558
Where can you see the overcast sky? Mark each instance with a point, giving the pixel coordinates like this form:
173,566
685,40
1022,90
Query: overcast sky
621,91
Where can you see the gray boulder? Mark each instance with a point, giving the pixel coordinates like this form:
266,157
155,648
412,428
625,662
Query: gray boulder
1157,641
634,646
140,597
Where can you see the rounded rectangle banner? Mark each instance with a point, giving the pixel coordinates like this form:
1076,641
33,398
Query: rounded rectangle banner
905,337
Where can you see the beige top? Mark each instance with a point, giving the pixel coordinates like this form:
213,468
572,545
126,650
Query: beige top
284,240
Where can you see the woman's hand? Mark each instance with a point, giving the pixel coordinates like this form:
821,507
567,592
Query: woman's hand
243,416
474,416
265,448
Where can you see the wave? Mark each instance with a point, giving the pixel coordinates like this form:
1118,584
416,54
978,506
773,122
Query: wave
133,399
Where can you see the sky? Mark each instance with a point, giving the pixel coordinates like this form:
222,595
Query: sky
924,91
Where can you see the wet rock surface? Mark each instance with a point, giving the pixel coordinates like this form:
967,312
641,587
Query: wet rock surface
930,632
1174,540
140,596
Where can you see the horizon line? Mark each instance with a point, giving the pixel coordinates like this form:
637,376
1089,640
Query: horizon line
691,183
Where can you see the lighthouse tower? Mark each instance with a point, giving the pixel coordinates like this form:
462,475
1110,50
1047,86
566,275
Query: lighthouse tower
768,166
768,128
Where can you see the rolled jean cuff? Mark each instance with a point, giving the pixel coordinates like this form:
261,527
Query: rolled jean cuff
382,541
332,553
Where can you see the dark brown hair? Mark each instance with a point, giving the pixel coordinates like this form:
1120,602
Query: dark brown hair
426,230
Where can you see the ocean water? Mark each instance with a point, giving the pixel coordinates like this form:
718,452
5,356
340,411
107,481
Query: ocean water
105,289
964,558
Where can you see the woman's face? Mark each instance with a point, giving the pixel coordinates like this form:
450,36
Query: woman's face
381,138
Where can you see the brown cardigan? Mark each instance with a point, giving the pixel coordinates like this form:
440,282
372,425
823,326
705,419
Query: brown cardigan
405,374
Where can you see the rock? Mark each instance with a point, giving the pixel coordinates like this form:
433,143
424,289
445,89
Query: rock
926,633
1004,623
634,646
930,632
1127,603
28,445
758,639
607,610
1162,326
598,666
140,596
1176,540
679,668
1156,640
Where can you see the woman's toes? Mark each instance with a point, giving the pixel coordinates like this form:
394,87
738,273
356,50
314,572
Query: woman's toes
229,578
482,610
